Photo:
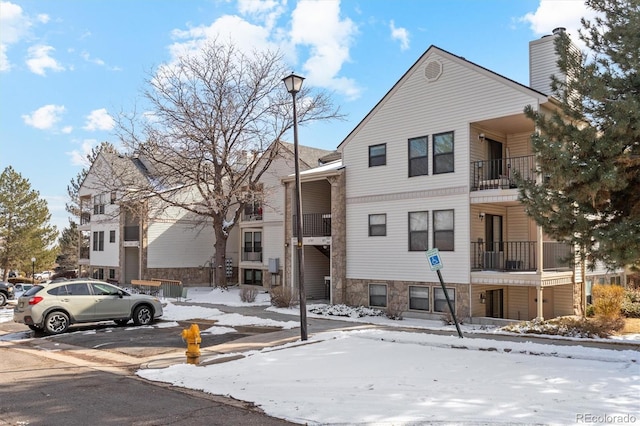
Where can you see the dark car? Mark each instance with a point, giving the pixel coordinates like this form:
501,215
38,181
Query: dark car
71,273
7,292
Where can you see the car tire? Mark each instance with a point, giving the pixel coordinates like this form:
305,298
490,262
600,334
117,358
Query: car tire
56,322
121,322
3,299
143,315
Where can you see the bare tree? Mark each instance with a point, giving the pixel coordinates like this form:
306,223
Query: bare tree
213,129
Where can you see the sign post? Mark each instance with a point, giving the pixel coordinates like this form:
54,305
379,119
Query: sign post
435,263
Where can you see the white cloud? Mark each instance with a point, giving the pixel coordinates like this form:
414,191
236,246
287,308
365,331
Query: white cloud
15,25
44,117
99,119
88,58
400,34
43,18
317,24
79,157
40,60
67,129
553,14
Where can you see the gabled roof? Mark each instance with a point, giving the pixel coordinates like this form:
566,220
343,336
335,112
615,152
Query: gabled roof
455,58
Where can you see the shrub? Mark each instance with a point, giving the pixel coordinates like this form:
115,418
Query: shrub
283,297
447,319
248,294
591,311
607,300
570,326
631,304
394,312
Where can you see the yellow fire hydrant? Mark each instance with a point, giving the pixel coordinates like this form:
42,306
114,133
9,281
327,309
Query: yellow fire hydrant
191,336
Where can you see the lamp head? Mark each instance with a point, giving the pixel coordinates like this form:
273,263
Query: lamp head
293,83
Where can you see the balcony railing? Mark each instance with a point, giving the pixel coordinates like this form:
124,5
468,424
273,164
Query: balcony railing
132,233
513,256
252,213
499,174
313,225
85,218
252,256
85,253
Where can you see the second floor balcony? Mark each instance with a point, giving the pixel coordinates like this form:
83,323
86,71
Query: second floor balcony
132,233
313,225
520,256
500,173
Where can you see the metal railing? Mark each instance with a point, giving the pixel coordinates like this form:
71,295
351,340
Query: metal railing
512,256
313,225
132,233
252,256
85,253
500,173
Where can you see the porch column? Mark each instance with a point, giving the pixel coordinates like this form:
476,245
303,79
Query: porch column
539,249
539,303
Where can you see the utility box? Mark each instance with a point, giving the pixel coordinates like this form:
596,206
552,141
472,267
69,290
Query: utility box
274,265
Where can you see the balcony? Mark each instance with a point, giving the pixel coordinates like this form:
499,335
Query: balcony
252,213
500,173
85,218
132,233
313,225
252,256
520,256
85,253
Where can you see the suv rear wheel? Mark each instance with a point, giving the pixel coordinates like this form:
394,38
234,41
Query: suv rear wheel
142,315
56,322
3,299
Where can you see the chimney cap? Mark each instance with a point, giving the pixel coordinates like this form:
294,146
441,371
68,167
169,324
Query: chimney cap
559,30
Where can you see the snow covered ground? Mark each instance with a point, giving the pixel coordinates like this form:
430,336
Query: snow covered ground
376,377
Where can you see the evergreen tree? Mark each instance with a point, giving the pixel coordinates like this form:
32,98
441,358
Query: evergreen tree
589,150
68,247
25,231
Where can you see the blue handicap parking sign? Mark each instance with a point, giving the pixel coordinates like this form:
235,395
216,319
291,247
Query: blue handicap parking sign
433,256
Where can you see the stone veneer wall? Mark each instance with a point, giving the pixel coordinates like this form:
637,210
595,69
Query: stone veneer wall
189,276
398,295
338,239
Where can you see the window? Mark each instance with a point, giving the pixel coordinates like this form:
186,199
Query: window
98,241
615,280
252,246
418,231
377,225
378,155
98,273
419,298
98,204
112,236
78,289
443,230
113,197
418,157
443,153
378,295
440,300
253,276
112,274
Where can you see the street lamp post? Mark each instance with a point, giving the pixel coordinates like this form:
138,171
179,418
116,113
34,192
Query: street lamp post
294,84
33,270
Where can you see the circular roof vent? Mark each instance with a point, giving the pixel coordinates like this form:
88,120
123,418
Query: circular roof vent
433,70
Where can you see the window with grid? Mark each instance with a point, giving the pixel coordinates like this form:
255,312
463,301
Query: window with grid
443,153
443,230
98,204
98,273
419,298
440,300
378,155
112,274
253,246
377,225
112,236
378,295
418,231
418,157
253,276
98,241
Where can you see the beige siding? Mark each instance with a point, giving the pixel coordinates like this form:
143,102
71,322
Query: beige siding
563,300
518,304
178,245
518,225
316,267
316,197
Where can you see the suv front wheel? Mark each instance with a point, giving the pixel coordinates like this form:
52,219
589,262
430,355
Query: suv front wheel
56,323
143,315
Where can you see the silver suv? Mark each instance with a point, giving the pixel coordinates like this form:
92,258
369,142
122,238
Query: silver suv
55,306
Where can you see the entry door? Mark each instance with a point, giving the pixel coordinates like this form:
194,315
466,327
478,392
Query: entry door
494,306
495,158
495,243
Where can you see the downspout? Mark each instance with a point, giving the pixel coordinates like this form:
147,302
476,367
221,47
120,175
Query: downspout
540,254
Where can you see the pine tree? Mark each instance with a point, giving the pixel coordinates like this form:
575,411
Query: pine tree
25,231
589,150
68,247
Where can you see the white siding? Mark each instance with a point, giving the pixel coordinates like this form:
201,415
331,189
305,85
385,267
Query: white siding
542,64
178,245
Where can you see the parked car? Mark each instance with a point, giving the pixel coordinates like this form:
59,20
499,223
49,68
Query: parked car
7,292
52,308
43,276
20,288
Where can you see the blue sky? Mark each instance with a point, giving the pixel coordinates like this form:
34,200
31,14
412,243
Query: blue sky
67,66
